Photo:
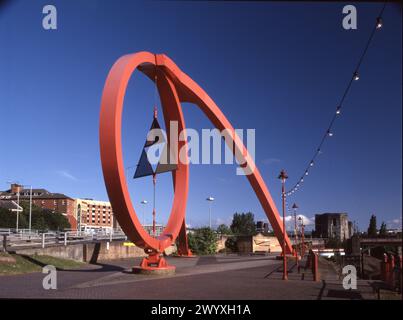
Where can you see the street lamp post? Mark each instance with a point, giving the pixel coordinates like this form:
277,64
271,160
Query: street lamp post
302,236
18,211
210,200
295,207
144,211
30,208
283,176
30,205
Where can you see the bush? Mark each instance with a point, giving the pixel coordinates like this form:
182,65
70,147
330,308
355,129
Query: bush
203,241
230,244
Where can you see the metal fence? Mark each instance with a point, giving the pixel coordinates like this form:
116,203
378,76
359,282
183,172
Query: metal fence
13,240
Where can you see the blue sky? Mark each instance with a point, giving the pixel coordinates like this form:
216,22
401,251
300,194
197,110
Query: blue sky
279,68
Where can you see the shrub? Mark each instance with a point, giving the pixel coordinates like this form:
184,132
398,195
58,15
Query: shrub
203,241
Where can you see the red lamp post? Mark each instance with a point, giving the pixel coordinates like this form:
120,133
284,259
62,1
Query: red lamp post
283,176
295,207
302,236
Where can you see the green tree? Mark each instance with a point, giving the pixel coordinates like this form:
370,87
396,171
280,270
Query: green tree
55,220
8,219
243,224
383,231
372,227
203,241
38,221
223,229
231,244
41,219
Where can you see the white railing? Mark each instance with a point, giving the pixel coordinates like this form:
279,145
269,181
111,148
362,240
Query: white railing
36,239
5,231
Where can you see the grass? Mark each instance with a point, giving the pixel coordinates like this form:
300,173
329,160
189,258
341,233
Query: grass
34,263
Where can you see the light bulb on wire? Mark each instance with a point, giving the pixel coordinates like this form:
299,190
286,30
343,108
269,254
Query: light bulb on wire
379,23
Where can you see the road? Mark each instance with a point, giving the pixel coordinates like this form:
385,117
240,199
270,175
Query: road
209,277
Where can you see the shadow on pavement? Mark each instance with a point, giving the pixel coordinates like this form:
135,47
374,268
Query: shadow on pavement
104,267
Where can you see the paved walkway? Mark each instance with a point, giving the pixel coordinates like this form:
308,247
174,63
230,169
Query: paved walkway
212,277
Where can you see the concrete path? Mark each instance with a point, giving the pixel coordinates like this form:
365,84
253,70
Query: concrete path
212,277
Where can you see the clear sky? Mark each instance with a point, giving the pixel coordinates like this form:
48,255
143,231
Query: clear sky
279,68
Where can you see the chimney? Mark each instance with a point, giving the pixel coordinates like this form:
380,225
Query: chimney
15,188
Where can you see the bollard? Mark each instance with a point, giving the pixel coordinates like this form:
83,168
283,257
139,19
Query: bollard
308,260
43,240
384,267
400,272
296,259
315,267
65,239
391,270
4,243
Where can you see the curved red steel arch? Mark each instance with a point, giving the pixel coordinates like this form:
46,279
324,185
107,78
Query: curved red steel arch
174,87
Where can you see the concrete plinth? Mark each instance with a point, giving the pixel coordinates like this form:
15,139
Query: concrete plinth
165,271
183,256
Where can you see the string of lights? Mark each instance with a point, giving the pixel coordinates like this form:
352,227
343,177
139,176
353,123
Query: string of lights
329,133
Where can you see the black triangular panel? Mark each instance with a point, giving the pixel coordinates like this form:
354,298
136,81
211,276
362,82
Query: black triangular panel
161,168
154,125
144,167
166,167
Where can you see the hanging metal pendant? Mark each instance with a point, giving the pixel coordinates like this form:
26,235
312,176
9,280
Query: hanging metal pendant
144,167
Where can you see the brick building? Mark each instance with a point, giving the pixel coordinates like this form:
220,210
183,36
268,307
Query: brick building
94,214
56,202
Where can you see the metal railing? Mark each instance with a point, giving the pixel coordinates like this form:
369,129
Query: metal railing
391,271
5,231
312,262
12,241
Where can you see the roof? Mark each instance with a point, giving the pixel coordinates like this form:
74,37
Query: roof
10,205
331,214
36,194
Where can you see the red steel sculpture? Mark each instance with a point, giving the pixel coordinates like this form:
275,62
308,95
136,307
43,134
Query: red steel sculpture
174,87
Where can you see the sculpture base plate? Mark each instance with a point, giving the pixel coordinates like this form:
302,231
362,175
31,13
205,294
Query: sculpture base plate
164,271
183,256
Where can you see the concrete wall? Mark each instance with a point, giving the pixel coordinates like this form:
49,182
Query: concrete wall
263,243
221,243
92,252
244,244
258,243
